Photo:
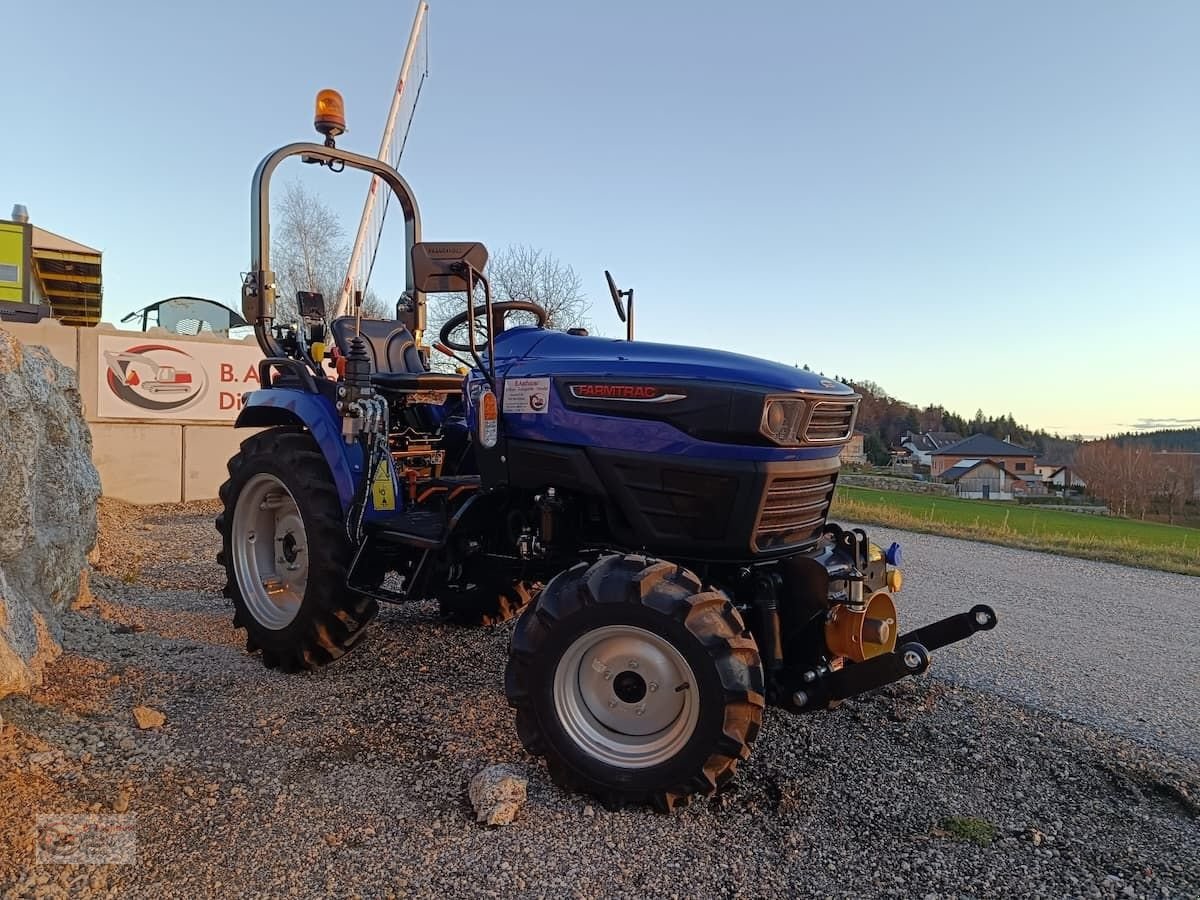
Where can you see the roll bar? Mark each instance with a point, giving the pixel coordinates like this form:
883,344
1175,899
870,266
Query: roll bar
258,286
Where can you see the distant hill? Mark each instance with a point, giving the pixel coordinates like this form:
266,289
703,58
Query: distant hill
1166,439
884,419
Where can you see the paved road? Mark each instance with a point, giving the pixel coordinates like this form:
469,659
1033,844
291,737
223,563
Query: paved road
1102,644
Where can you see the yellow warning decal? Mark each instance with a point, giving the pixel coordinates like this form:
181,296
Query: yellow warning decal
383,492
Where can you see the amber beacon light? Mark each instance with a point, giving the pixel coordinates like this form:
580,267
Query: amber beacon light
330,117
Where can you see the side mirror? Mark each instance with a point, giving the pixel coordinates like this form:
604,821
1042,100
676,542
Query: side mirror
442,268
616,294
624,310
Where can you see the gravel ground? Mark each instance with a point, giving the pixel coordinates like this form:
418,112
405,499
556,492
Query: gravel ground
352,781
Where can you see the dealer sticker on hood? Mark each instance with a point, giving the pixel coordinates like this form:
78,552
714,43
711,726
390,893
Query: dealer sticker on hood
527,395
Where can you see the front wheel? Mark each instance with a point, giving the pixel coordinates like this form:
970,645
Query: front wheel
635,683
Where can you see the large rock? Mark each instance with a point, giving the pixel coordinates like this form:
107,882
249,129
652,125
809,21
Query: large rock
48,488
497,793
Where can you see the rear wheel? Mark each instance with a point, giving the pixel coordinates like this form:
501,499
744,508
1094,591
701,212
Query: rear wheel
286,554
635,683
489,602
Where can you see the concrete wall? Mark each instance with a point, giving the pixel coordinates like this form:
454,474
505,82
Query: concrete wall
151,455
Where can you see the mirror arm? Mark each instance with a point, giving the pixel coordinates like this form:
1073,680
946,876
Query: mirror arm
472,276
629,314
487,299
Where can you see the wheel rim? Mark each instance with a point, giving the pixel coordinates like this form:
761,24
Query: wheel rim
270,551
626,696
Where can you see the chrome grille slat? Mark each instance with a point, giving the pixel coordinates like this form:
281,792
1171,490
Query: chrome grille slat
790,509
787,491
830,421
791,526
793,510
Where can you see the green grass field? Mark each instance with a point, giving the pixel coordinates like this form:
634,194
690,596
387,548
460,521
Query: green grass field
1148,544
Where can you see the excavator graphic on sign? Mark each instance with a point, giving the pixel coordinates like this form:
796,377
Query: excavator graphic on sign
155,377
141,371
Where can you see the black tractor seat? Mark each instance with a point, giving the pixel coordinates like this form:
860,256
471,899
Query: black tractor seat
396,366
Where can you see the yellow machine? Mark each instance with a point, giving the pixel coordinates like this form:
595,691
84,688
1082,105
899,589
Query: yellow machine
15,261
41,269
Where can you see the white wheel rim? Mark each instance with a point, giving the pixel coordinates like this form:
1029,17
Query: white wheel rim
626,696
270,551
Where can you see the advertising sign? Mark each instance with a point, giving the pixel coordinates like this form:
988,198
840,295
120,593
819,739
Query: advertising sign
147,377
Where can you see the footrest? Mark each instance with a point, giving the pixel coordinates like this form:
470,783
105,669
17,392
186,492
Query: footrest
420,527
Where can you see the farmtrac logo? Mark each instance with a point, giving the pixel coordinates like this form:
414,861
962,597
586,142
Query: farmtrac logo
156,377
637,393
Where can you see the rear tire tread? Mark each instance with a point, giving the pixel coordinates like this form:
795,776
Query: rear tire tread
332,620
488,603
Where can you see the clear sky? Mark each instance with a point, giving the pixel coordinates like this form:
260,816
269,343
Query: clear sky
980,205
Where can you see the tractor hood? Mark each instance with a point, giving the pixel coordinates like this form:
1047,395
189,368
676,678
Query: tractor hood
533,352
640,397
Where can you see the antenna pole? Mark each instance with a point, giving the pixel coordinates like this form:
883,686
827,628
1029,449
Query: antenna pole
364,225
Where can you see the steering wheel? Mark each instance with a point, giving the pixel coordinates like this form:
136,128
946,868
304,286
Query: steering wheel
502,309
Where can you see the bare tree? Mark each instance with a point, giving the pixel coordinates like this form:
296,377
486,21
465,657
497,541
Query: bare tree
525,273
1122,476
1170,482
310,253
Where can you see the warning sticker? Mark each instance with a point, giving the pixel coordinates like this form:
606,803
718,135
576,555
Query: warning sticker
527,395
383,492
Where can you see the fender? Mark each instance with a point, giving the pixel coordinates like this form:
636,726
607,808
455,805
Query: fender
314,413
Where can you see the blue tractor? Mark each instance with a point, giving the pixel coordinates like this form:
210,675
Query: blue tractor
655,515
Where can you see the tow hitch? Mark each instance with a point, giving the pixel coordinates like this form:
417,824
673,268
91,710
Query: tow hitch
823,685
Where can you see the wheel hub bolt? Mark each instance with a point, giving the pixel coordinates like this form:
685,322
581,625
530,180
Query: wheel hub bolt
608,676
652,686
633,664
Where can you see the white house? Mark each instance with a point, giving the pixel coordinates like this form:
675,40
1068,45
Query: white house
920,446
1065,477
1045,470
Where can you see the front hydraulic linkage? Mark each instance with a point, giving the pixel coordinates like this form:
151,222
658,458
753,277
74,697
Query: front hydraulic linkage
823,686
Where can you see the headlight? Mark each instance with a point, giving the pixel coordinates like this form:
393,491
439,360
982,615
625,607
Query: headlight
781,419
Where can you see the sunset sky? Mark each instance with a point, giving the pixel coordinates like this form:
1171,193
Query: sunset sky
987,206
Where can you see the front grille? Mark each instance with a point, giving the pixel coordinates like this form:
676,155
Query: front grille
830,421
681,503
793,511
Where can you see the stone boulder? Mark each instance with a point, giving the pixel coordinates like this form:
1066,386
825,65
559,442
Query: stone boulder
49,489
497,793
